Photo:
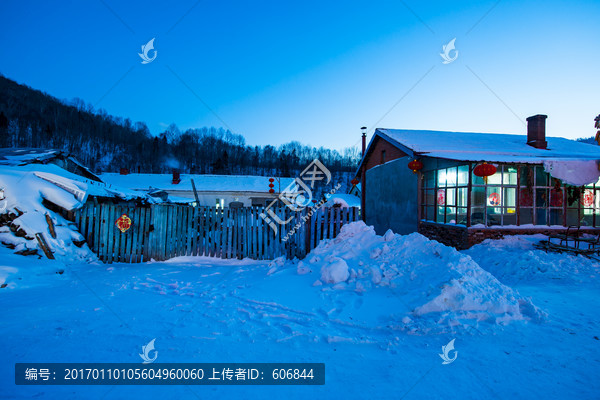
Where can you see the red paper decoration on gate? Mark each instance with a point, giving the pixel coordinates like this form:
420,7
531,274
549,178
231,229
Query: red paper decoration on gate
123,223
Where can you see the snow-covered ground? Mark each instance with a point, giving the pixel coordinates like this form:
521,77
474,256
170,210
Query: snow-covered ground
375,309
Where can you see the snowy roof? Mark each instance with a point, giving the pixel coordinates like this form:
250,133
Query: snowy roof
573,162
25,186
345,200
204,183
10,156
494,147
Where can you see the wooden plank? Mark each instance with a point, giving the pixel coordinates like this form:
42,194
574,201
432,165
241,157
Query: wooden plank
172,226
257,235
118,235
189,218
139,235
161,234
202,230
220,231
124,239
91,220
229,252
108,240
172,223
201,215
192,227
133,244
179,235
264,228
209,232
144,214
149,234
44,245
136,246
184,230
99,228
239,237
216,226
234,232
159,237
247,233
94,215
240,233
132,236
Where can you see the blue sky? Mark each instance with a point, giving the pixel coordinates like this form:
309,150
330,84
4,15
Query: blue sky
314,71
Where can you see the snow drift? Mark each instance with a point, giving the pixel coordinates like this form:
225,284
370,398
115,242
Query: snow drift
440,288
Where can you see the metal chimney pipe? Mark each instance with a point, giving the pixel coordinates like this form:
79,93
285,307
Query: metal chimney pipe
364,139
363,175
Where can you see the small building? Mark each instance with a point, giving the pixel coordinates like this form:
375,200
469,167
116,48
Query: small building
212,190
539,184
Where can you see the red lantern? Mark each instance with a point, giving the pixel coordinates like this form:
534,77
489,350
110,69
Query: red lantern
271,185
354,182
484,170
271,190
415,165
271,180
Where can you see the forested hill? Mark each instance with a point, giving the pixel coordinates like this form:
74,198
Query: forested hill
31,118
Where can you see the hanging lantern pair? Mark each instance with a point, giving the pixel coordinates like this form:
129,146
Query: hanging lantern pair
354,182
484,170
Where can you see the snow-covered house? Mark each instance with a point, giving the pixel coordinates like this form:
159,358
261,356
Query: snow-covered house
62,159
30,178
213,190
536,184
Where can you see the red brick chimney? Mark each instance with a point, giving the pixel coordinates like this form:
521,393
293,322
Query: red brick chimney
124,171
176,177
536,131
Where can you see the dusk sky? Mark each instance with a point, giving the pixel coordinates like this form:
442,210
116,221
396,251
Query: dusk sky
314,71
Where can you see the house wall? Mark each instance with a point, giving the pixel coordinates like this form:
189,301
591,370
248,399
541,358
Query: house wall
391,153
391,197
209,198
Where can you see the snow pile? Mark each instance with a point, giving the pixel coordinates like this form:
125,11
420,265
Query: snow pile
23,213
514,259
439,287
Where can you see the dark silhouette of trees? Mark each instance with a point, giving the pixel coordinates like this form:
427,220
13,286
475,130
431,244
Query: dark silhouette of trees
105,143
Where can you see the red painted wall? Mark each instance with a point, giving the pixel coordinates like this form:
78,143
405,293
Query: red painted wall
374,156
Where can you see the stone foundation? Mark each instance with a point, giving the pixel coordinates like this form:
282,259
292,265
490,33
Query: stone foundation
462,237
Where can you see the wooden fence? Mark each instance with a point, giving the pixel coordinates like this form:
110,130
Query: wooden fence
161,232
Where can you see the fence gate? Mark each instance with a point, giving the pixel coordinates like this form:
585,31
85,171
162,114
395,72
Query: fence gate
164,231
